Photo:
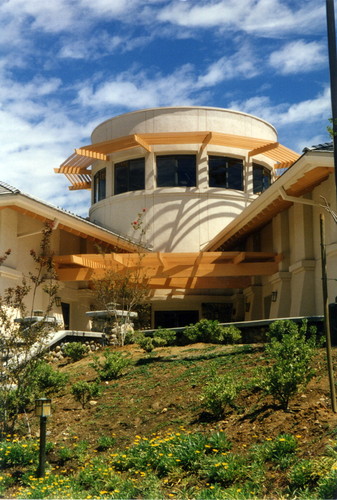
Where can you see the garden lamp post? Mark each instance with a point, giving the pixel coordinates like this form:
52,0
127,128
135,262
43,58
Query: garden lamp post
42,410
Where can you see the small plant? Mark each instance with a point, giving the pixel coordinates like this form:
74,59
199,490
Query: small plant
111,366
219,393
280,451
75,350
105,442
83,392
289,355
18,453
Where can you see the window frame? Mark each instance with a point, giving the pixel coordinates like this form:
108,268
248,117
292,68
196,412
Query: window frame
257,167
127,165
99,185
229,163
180,173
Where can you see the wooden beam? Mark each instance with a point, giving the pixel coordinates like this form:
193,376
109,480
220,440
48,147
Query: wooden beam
91,154
142,143
263,149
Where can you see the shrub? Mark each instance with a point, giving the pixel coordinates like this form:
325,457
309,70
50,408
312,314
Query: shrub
230,335
47,380
75,350
146,343
166,334
289,355
219,393
111,366
83,392
211,331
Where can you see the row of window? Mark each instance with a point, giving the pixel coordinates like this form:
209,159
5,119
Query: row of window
180,171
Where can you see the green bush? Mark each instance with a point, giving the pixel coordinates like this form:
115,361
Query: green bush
146,343
47,380
219,393
230,335
211,331
166,334
289,356
111,366
75,350
83,392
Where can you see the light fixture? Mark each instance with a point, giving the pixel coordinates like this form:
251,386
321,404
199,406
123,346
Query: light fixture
274,296
57,301
43,407
42,410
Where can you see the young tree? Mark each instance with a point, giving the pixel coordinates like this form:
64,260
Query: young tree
23,341
120,291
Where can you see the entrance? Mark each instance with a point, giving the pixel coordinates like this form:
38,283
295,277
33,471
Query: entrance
175,319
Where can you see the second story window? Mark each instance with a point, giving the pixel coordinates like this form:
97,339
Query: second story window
100,185
225,172
261,178
176,170
130,175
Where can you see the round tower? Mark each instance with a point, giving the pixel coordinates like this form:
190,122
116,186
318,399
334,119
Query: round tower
190,170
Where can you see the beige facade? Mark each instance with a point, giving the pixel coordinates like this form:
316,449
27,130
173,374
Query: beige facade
211,209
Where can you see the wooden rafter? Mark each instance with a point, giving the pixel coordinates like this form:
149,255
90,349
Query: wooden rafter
86,155
173,270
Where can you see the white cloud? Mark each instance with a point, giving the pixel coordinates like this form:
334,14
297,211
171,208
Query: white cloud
261,17
298,57
134,91
241,64
306,111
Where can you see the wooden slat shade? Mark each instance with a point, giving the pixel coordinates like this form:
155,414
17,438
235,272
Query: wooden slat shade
173,270
86,155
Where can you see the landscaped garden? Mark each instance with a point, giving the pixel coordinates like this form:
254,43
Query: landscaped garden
200,416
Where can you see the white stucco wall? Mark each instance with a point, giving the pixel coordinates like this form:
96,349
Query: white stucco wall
179,219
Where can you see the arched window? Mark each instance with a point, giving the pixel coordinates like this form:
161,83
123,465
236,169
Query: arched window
225,172
129,175
100,185
261,178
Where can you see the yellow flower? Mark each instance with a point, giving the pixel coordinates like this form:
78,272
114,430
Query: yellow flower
281,439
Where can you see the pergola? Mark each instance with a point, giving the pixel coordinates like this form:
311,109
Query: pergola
76,167
189,271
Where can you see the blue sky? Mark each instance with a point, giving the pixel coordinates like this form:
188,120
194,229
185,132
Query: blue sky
67,65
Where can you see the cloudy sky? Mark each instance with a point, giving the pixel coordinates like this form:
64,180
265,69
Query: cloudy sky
67,65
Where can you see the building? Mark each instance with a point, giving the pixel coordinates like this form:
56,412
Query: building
231,217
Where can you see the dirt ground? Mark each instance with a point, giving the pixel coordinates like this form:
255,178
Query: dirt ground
162,392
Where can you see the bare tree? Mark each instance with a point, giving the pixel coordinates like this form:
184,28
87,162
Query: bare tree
23,339
123,288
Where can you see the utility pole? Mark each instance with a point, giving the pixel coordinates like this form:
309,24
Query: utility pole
330,16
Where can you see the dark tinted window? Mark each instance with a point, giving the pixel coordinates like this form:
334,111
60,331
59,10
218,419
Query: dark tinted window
225,172
130,175
99,185
176,170
261,178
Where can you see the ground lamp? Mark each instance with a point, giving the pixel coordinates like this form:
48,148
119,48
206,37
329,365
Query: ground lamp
42,410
